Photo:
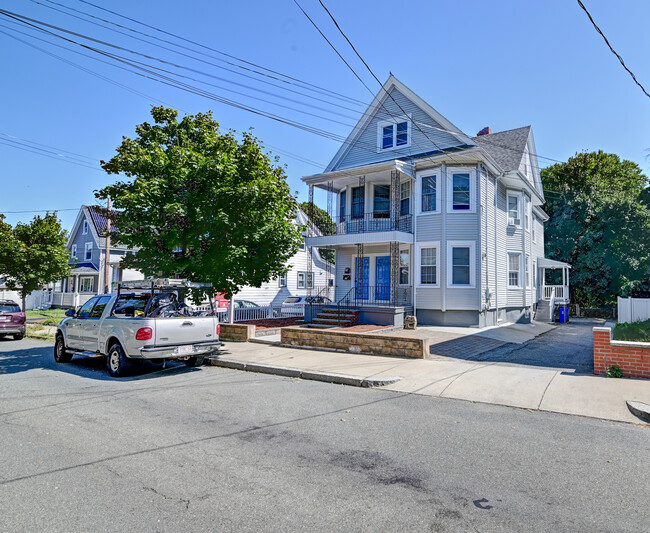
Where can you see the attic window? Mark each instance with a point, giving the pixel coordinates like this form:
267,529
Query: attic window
85,228
393,134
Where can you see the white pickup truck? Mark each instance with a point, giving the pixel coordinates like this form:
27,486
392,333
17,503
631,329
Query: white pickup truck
142,320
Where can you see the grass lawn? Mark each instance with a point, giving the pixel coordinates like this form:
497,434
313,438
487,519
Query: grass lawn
40,332
51,317
635,331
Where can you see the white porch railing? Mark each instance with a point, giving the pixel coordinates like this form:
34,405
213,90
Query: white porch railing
561,292
257,313
633,309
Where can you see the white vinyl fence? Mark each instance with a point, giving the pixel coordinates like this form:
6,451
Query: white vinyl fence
633,309
258,313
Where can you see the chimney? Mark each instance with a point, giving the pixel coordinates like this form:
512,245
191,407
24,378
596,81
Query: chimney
484,131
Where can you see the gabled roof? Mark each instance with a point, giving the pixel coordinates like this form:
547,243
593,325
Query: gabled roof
98,226
506,147
393,83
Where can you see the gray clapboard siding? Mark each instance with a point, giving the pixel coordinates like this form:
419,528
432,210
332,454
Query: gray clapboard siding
363,150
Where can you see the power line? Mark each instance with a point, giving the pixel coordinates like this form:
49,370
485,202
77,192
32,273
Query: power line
612,49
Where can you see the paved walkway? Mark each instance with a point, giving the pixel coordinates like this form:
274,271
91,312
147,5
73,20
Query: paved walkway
512,383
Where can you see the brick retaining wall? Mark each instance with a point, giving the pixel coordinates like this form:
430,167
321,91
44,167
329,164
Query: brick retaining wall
355,342
237,332
633,358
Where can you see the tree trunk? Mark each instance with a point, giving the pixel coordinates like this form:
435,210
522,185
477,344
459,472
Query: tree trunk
24,298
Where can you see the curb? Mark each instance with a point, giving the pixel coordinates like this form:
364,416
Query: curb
639,409
328,377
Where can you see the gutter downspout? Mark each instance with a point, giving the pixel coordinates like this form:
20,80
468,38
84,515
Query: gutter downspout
496,260
443,243
413,248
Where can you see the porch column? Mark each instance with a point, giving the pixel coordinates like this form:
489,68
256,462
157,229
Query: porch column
310,233
394,273
359,276
394,198
75,296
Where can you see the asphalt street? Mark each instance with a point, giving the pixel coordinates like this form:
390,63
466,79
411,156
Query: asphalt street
211,449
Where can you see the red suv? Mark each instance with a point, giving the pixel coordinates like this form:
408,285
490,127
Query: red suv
12,320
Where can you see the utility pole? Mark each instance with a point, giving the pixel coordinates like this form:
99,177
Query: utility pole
107,254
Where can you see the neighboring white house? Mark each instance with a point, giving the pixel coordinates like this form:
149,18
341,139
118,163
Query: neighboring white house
87,246
433,222
34,300
298,281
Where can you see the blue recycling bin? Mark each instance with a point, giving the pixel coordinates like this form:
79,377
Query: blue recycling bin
564,314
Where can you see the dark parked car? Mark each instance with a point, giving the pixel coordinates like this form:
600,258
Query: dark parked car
12,320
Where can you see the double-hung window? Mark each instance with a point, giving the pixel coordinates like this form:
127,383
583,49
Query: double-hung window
305,280
85,228
381,208
358,202
282,281
87,284
405,198
533,224
88,251
393,134
514,269
343,198
429,193
461,191
404,260
527,270
527,205
514,214
73,253
460,264
429,265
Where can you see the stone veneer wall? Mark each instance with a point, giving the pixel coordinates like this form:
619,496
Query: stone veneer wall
237,332
354,342
633,358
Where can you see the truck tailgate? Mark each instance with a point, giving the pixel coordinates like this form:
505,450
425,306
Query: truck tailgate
185,330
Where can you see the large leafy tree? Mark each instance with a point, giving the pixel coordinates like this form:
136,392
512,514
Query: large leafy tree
201,204
34,254
599,222
325,224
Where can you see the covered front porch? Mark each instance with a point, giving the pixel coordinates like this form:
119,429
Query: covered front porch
78,288
551,295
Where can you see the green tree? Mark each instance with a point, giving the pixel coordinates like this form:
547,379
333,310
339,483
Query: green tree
325,224
33,254
599,223
201,205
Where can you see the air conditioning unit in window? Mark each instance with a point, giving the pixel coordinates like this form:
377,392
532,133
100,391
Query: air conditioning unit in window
514,222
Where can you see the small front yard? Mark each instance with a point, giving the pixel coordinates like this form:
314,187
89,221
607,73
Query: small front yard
46,317
634,331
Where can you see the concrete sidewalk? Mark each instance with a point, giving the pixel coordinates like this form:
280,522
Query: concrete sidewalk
487,382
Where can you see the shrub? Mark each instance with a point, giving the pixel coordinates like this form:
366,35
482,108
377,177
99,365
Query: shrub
633,331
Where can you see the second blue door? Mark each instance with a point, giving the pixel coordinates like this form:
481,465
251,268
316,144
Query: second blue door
382,277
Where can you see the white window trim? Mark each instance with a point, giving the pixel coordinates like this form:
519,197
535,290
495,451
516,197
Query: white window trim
450,189
520,272
92,281
527,280
410,267
73,252
418,261
86,248
533,222
512,221
380,133
472,263
282,279
418,200
528,207
306,280
84,230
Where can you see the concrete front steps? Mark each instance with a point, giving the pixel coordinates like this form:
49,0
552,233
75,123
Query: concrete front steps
334,317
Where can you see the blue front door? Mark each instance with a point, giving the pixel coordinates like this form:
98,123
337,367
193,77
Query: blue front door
361,277
382,277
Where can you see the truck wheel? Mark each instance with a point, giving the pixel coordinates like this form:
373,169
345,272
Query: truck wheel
60,354
116,362
194,361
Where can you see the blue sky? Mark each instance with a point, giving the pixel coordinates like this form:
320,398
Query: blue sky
502,64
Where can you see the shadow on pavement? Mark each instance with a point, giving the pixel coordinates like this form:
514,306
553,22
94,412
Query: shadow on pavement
21,356
567,347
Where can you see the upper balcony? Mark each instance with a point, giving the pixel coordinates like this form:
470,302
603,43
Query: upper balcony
369,228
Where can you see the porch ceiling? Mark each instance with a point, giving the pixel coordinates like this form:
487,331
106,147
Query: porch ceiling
543,262
376,173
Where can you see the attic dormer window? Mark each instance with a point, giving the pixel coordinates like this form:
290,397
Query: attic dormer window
393,134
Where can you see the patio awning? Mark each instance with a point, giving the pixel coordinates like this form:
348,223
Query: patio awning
543,262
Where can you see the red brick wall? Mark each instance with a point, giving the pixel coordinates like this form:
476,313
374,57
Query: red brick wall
633,358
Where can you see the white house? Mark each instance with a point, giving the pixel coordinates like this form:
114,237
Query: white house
302,278
433,222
